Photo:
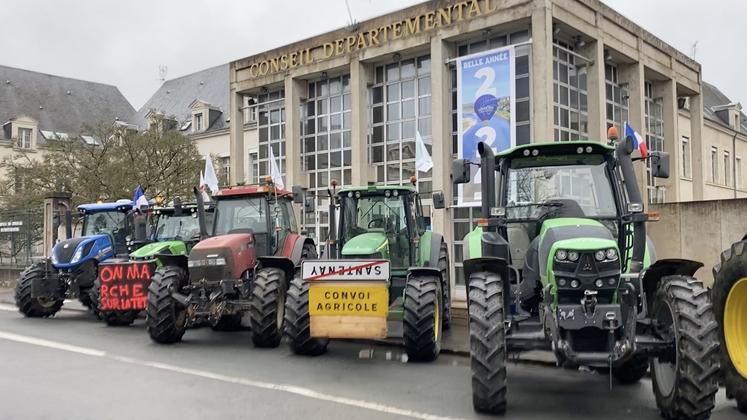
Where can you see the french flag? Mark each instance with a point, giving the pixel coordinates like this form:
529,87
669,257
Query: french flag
638,142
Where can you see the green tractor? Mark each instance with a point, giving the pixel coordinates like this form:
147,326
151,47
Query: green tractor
120,292
729,294
384,266
560,261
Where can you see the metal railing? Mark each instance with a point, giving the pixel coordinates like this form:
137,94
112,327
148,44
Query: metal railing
21,236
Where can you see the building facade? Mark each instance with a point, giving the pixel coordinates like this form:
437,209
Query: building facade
346,105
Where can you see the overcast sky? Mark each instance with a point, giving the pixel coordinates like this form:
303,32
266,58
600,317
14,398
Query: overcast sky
124,42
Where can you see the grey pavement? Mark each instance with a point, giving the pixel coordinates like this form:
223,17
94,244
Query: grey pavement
119,373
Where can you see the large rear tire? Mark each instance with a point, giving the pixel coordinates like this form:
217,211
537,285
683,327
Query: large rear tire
685,381
487,342
443,265
165,321
30,306
729,294
267,308
423,317
297,320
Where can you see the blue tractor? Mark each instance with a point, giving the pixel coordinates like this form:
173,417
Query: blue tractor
73,267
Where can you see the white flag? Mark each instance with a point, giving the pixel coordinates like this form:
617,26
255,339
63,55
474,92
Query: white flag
205,196
211,180
277,178
423,160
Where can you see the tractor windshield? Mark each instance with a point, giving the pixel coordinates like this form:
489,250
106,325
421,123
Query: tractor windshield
237,215
568,190
105,222
180,228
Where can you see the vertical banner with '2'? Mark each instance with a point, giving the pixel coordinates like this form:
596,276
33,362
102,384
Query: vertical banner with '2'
485,111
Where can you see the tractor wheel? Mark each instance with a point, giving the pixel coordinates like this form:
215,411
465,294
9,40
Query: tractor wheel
267,308
85,298
487,342
729,296
112,318
308,252
231,322
443,265
297,328
631,371
422,317
166,321
30,306
685,381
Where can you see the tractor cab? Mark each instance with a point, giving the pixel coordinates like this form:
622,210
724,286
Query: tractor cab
378,222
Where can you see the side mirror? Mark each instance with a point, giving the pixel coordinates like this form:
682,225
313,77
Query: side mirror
460,171
298,194
659,164
438,200
310,204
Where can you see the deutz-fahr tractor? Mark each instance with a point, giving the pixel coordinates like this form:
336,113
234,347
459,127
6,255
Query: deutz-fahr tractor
121,288
560,261
384,265
729,294
73,266
243,268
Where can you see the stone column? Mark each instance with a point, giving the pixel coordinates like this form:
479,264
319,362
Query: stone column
236,172
633,75
542,86
667,90
697,145
295,92
595,86
359,78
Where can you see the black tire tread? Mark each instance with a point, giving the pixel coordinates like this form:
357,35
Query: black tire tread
27,305
487,343
297,328
268,288
732,267
443,265
165,322
693,397
422,296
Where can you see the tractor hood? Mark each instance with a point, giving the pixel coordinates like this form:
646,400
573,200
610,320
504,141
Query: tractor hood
165,247
572,234
74,251
231,255
365,244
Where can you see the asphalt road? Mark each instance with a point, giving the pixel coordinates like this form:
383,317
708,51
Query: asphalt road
72,366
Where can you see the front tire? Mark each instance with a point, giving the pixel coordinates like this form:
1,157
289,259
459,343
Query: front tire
30,306
422,317
297,320
166,321
729,296
443,265
267,308
487,342
685,381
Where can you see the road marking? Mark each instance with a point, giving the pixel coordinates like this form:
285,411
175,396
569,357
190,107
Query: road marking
290,389
8,307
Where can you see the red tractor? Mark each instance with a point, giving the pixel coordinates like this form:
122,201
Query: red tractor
244,267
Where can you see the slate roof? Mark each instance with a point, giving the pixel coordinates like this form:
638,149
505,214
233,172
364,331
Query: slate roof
712,97
59,104
175,96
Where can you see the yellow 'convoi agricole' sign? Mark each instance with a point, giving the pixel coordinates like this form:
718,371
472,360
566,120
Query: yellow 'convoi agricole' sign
457,12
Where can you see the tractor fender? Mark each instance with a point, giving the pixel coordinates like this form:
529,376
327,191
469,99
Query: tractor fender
666,267
489,264
174,260
281,262
429,256
297,251
433,271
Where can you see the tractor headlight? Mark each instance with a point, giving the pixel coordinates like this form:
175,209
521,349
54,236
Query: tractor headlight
54,258
611,254
219,261
77,256
561,255
573,255
599,283
575,283
562,282
599,255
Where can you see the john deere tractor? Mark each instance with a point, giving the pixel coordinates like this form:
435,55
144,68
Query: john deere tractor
73,267
729,294
243,268
384,265
120,291
560,261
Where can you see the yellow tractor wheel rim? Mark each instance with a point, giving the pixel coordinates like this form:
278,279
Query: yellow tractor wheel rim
735,325
437,321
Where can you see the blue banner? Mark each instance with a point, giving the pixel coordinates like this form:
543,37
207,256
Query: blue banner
485,110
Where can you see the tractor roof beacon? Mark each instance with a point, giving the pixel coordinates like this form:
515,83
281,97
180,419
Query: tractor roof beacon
561,261
171,230
241,268
73,266
380,262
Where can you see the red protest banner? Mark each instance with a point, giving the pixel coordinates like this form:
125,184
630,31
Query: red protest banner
124,286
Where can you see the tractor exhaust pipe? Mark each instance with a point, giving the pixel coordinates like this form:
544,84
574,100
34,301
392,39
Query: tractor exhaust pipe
487,168
624,150
201,213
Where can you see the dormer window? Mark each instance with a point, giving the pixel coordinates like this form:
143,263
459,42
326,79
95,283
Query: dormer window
198,125
24,138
